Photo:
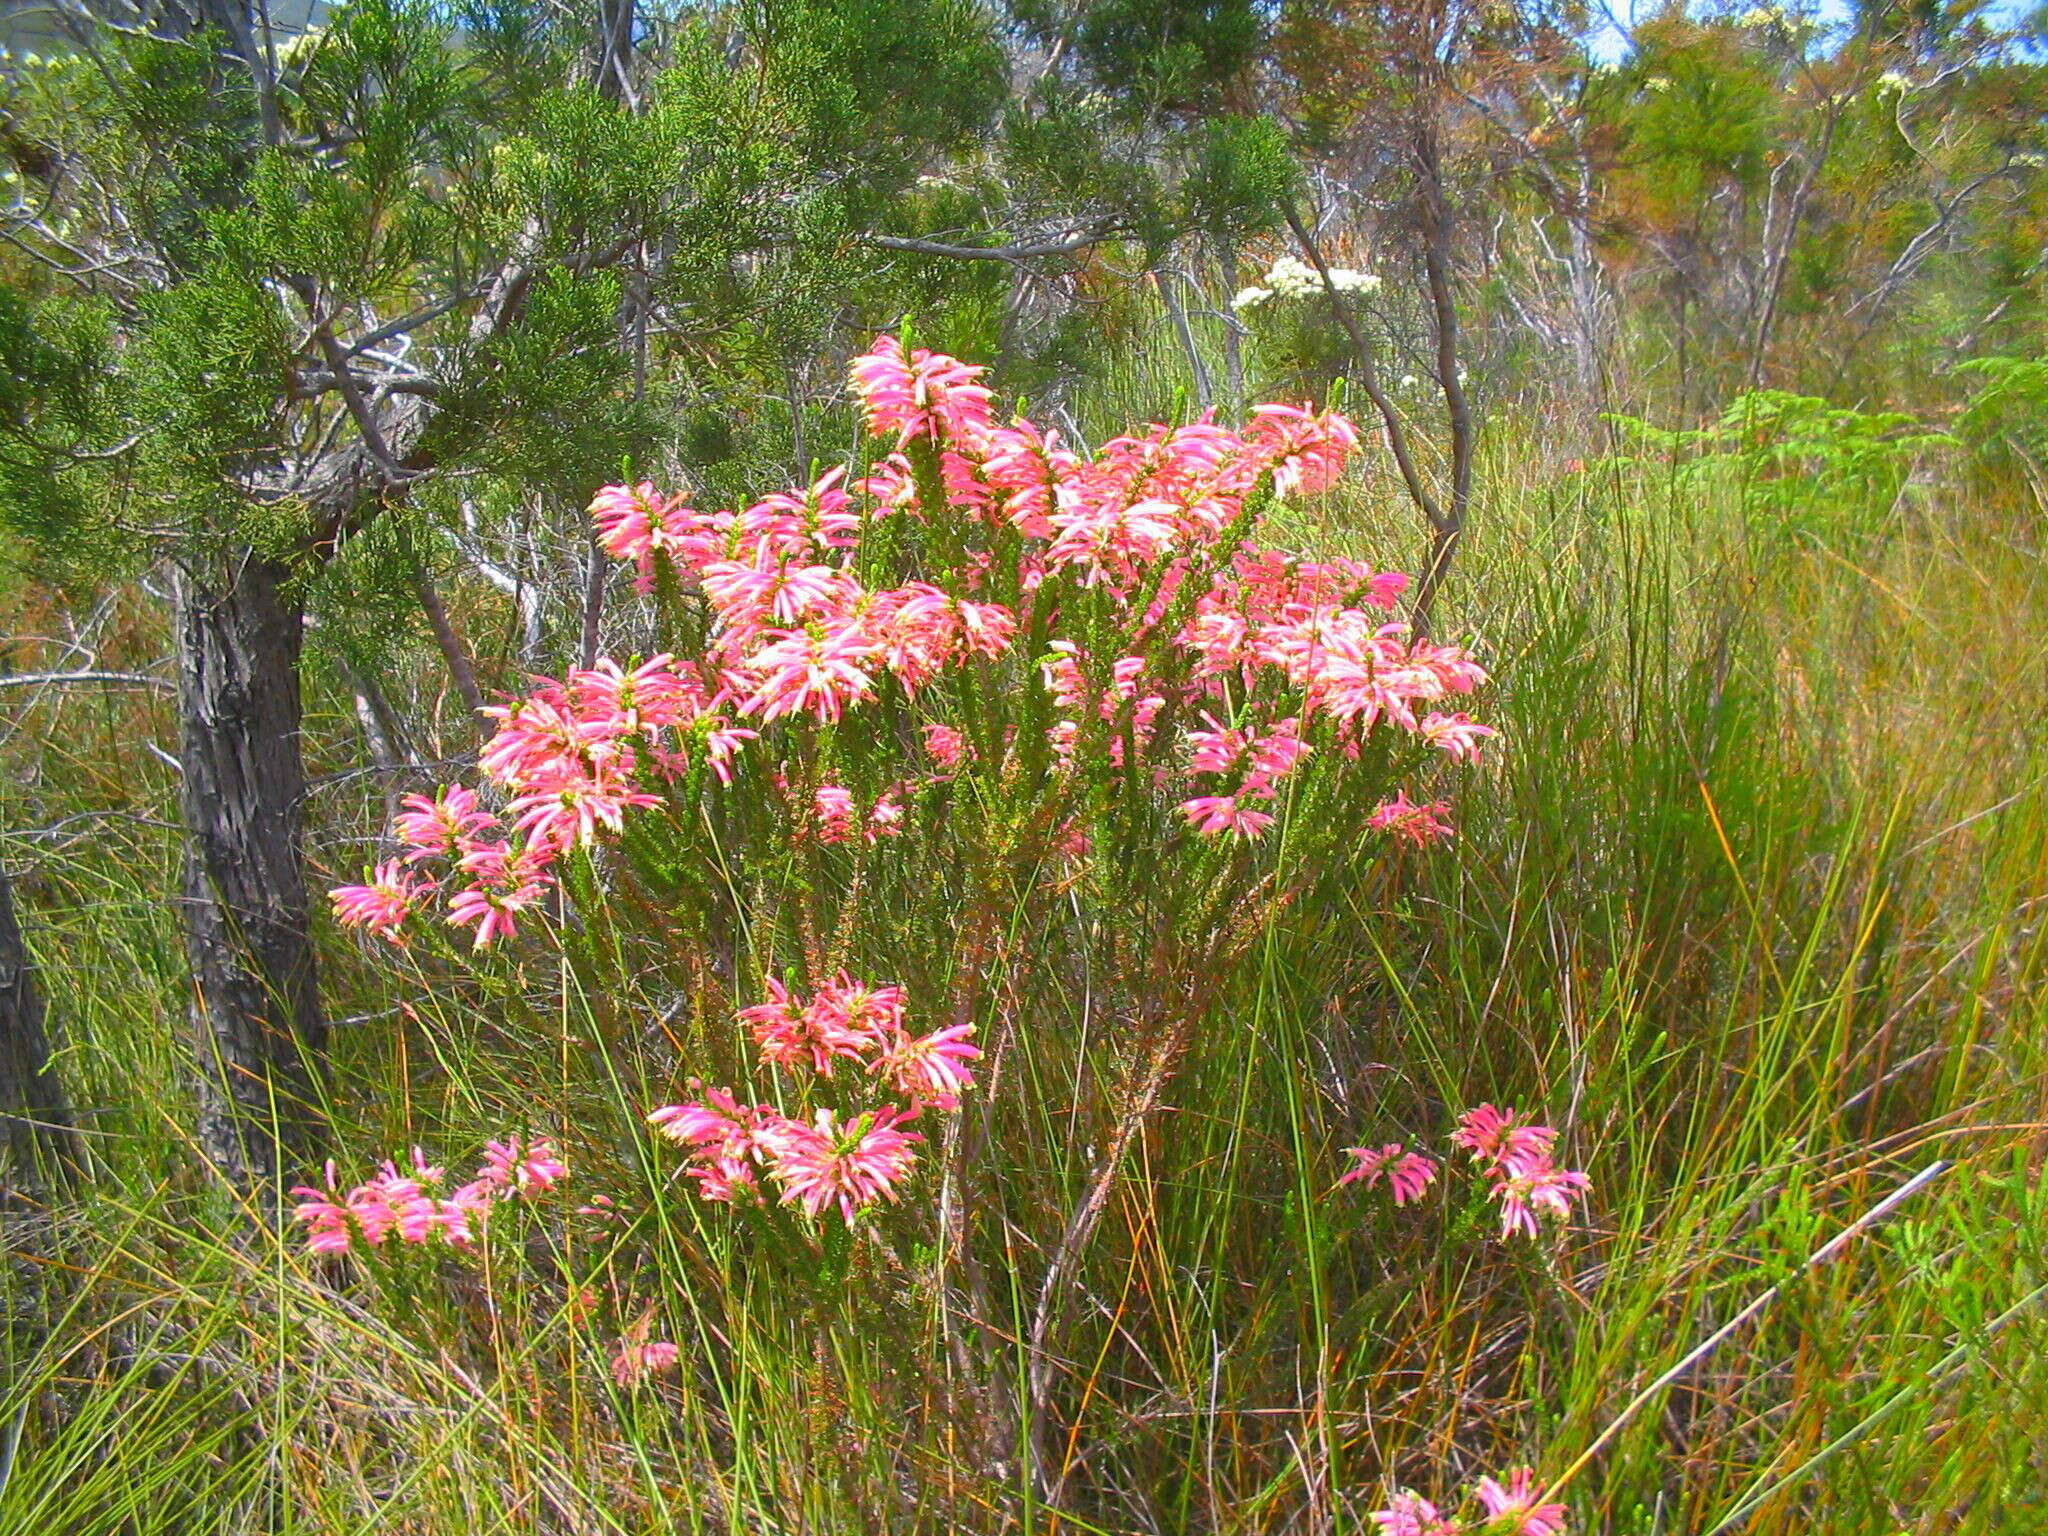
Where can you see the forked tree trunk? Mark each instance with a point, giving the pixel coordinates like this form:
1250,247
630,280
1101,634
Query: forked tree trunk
42,1144
255,1009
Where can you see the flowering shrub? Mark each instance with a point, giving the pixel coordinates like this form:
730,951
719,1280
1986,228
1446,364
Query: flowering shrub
1054,741
404,1205
1180,656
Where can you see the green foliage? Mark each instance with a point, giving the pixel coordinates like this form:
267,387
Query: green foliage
2006,419
52,356
1173,57
1241,173
881,89
1795,462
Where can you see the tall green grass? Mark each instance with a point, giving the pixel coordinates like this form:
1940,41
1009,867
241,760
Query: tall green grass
1750,904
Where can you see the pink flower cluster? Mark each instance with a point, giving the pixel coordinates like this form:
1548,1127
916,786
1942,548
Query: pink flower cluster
405,1204
852,1160
1229,659
1512,1507
1516,1155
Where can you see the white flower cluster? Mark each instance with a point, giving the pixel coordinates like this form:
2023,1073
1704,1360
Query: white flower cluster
1892,83
1289,278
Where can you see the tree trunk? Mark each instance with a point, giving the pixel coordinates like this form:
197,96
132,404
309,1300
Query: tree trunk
255,1008
42,1143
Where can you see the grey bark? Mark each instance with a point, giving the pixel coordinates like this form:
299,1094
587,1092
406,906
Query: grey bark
255,1011
41,1140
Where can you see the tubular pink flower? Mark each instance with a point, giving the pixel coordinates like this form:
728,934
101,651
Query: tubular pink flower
506,880
521,1168
1307,451
652,696
853,1165
1216,750
1456,735
1211,814
1408,1174
625,518
931,1069
1533,1191
1418,824
637,1356
926,394
944,745
816,670
835,812
383,904
437,827
1517,1501
1410,1514
568,808
391,1203
326,1219
1501,1137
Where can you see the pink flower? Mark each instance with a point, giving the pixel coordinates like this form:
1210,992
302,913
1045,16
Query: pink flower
1410,1514
816,670
327,1220
933,1068
652,696
1517,1501
1458,735
853,1018
944,745
514,1167
625,518
835,813
925,395
1501,1137
854,1164
986,628
437,827
507,880
778,1024
382,905
1217,750
1275,754
1419,824
1307,451
1407,1174
1211,814
390,1203
568,807
885,816
727,1140
1538,1190
846,1019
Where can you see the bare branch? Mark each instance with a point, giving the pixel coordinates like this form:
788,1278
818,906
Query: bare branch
58,679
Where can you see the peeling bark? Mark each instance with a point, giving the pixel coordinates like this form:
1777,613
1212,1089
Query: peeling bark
256,1021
